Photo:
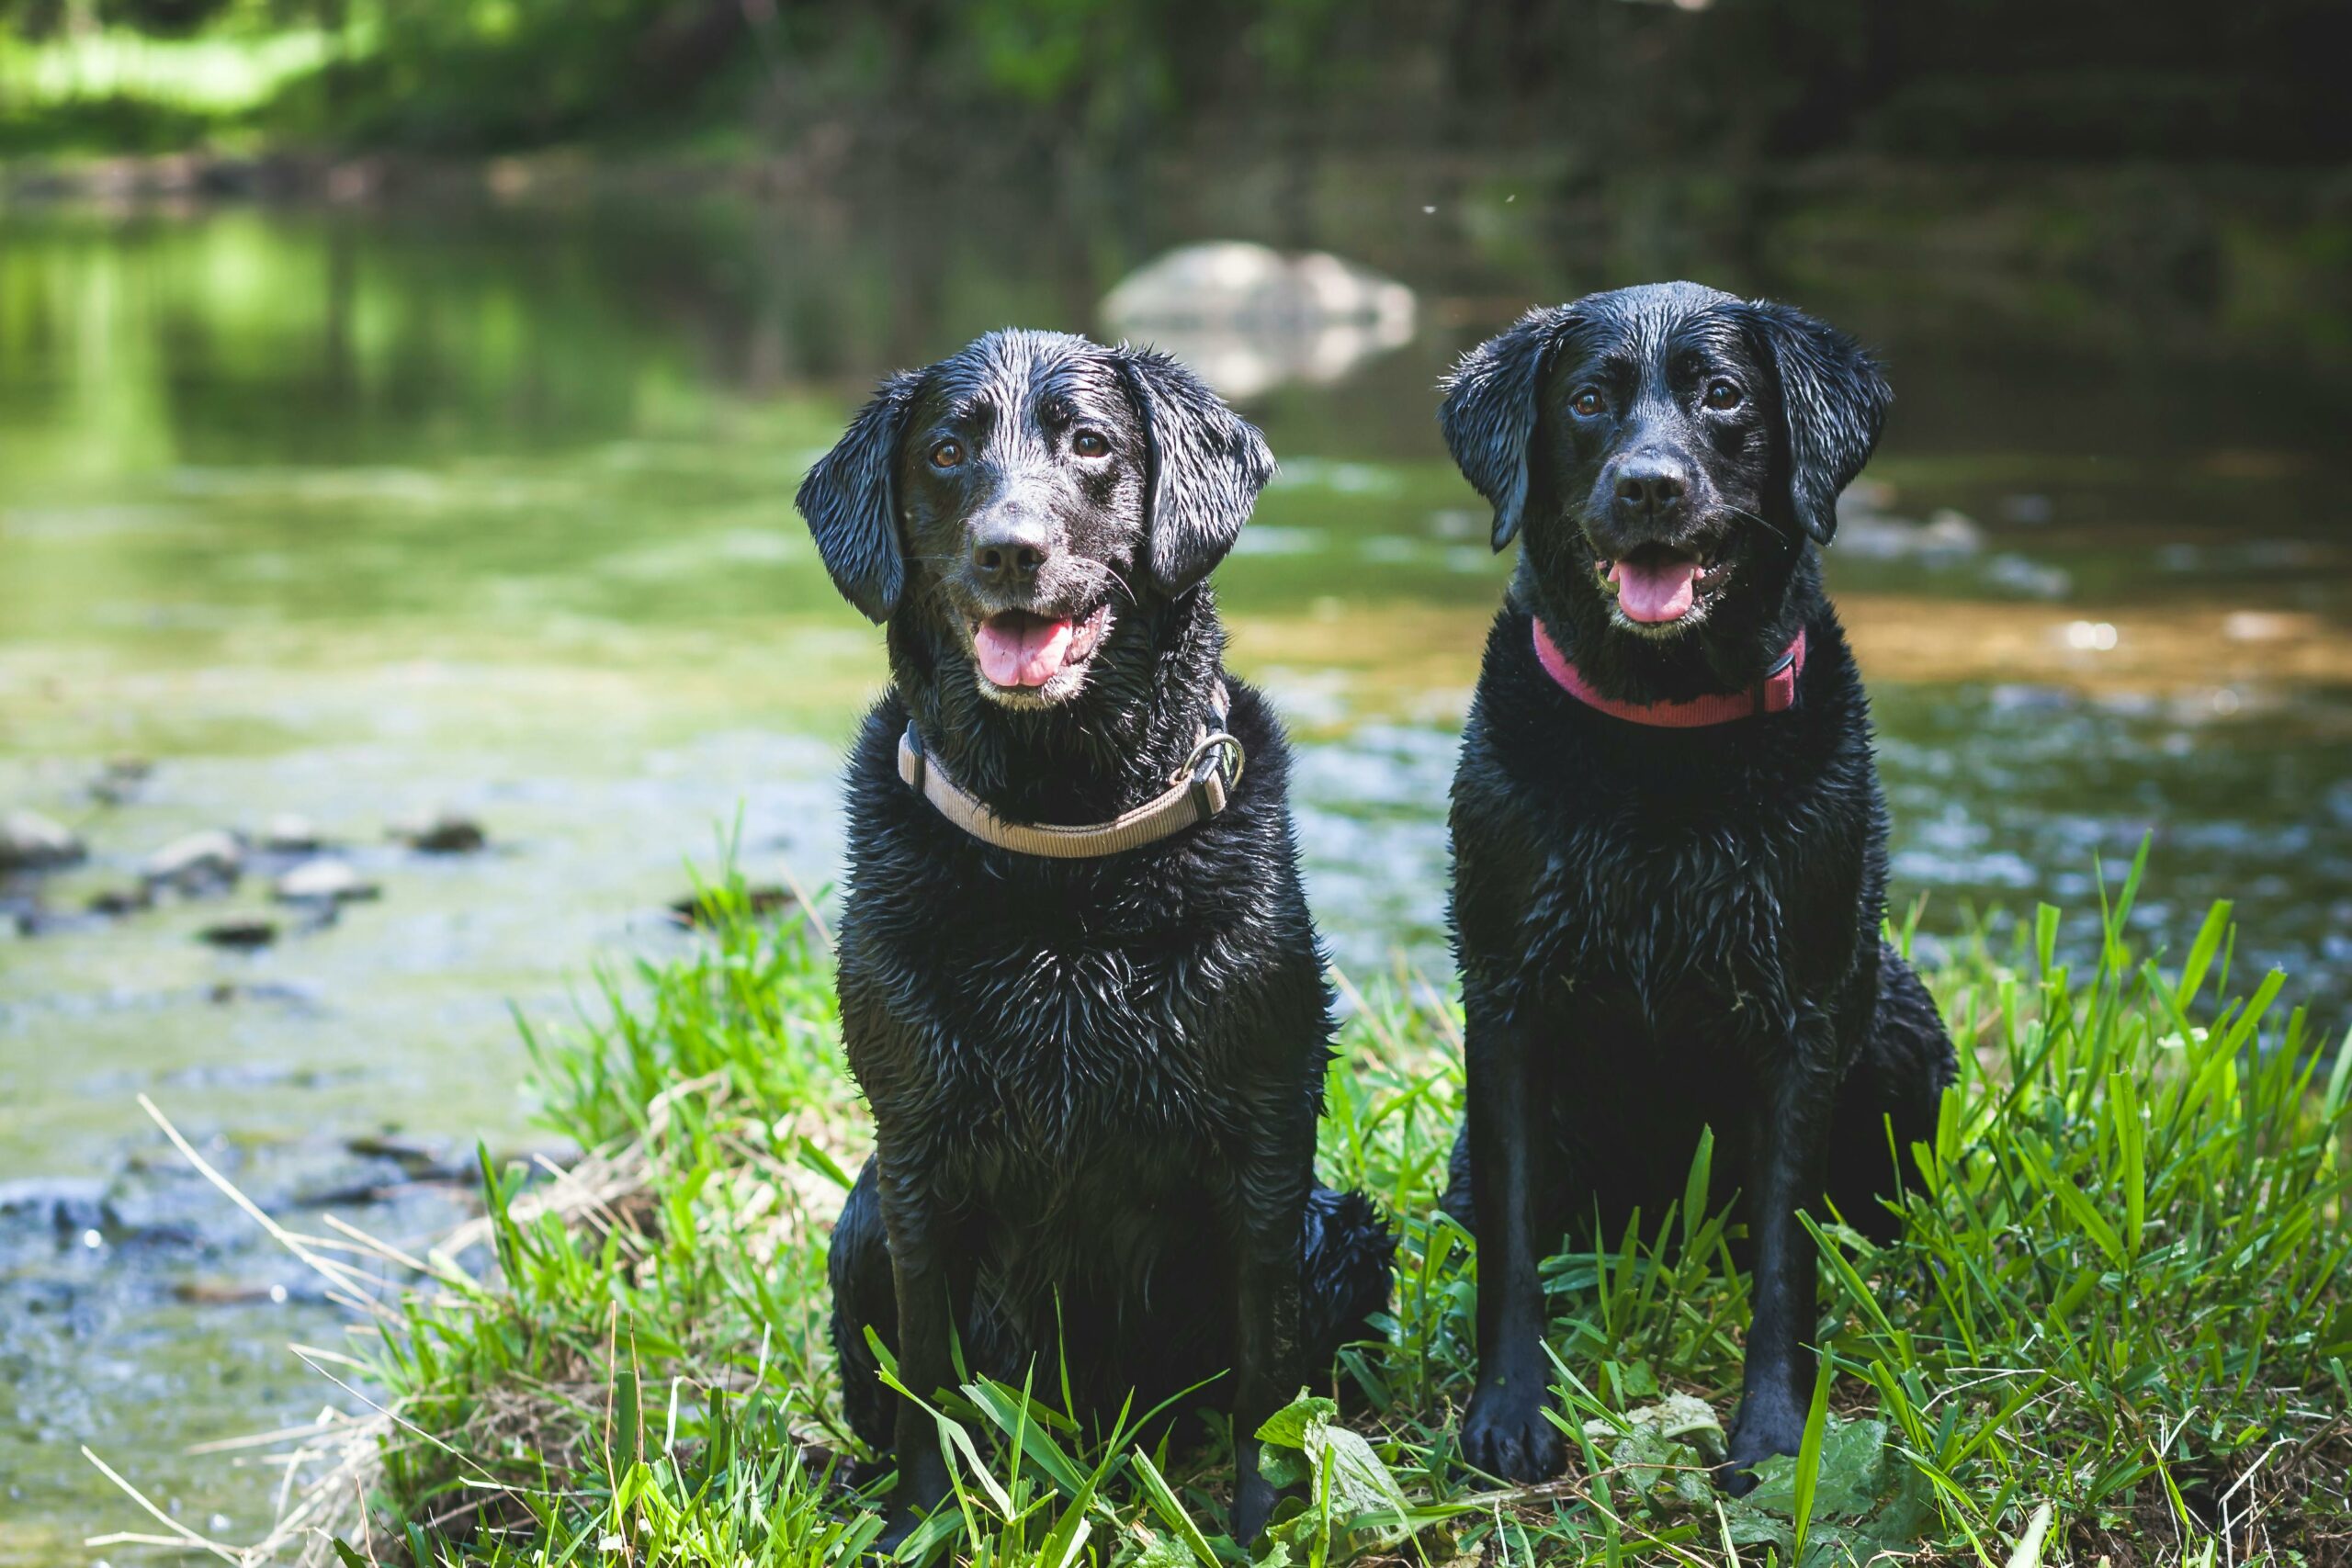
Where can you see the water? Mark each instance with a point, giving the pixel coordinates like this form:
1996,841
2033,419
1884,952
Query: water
353,513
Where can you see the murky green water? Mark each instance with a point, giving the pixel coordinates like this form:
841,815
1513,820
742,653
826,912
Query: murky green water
351,514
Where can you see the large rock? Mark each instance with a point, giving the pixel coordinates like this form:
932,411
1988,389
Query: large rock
198,862
29,841
1249,318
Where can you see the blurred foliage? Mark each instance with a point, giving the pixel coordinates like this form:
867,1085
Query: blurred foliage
1607,78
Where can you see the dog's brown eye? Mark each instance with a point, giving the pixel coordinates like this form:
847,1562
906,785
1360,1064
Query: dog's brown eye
1723,395
1089,443
947,454
1587,402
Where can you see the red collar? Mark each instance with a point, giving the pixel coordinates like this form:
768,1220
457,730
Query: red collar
1774,693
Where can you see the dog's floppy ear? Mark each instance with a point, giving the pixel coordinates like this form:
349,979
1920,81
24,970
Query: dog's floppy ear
852,505
1207,465
1833,405
1489,414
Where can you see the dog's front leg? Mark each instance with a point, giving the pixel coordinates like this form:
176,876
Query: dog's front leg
1507,1432
1269,1214
930,1281
1790,1167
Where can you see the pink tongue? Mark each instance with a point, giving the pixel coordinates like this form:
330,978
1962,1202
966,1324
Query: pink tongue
1660,590
1021,650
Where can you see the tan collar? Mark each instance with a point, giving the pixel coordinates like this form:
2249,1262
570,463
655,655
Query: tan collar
1198,792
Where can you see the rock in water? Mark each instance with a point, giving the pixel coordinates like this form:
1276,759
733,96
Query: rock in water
1249,318
442,833
324,880
120,779
706,908
69,1205
29,841
242,934
196,863
119,901
288,834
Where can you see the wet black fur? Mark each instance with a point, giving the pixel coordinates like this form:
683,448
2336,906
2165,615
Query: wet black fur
1661,930
1094,1082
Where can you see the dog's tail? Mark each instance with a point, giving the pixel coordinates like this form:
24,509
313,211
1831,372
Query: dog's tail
1351,1255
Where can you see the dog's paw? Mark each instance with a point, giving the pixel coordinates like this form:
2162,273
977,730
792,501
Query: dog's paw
1756,1436
1509,1436
900,1524
1253,1505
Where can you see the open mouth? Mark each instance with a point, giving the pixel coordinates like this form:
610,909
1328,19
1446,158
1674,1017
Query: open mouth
1656,585
1018,649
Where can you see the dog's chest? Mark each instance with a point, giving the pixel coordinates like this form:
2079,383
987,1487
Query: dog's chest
1710,916
1031,1037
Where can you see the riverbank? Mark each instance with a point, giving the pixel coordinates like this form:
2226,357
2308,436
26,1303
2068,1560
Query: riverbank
2116,1327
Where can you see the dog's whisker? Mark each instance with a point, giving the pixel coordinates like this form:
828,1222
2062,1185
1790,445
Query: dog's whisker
1764,523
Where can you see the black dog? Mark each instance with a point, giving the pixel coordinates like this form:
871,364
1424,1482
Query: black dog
1669,839
1095,1063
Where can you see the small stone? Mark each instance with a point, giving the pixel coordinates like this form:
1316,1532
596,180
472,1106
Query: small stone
243,935
1865,495
1955,531
323,881
69,1204
2031,579
705,909
29,841
219,1293
198,862
120,901
442,833
289,834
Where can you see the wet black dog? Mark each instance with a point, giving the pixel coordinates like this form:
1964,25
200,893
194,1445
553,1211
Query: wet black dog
1668,838
1095,1080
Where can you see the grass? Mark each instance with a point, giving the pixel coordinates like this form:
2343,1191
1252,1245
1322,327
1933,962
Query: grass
2117,1327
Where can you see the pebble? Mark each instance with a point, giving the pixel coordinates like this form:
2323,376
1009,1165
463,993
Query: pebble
69,1204
323,880
1947,536
198,862
119,901
244,935
442,833
703,908
288,834
29,841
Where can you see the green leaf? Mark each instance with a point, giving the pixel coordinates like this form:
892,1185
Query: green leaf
2028,1554
1808,1476
1850,1473
1303,1443
1170,1511
1696,1186
1163,1551
2202,952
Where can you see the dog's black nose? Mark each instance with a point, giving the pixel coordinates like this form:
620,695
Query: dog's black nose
1008,548
1652,484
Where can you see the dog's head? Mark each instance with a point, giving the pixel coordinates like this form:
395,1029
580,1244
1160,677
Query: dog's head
1028,497
1668,449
